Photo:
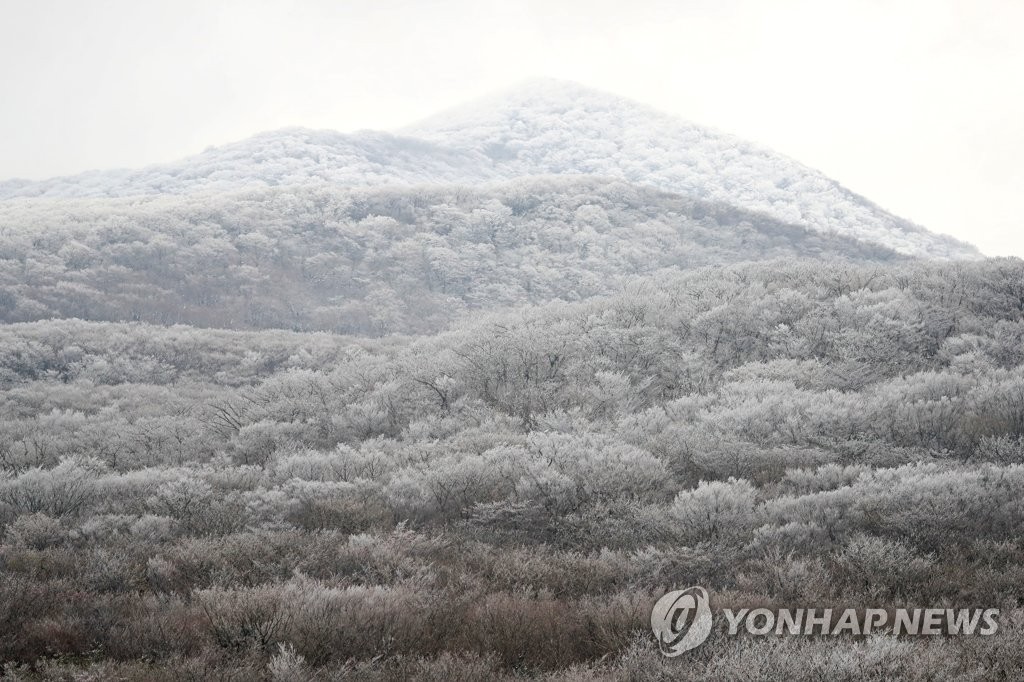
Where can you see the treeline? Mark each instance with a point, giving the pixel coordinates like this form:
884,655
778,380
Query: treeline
509,498
368,262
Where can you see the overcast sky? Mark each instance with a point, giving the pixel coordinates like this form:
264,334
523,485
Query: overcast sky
917,105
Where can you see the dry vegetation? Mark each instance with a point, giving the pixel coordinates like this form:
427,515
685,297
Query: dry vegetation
508,499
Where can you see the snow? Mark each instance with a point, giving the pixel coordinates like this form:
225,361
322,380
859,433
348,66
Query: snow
541,127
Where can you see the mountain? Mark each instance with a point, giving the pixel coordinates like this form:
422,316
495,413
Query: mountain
289,156
459,403
371,260
538,128
549,126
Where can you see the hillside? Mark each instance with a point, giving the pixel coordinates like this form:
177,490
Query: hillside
178,499
292,156
539,128
370,261
549,126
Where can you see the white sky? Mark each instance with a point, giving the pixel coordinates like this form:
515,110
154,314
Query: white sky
918,105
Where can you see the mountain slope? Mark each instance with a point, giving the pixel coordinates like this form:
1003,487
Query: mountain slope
548,126
372,260
282,157
539,128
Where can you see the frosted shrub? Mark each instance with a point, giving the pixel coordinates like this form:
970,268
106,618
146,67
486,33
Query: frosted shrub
256,443
881,567
153,529
613,469
409,495
266,508
66,489
929,503
312,465
833,511
786,577
401,556
795,536
544,484
187,499
1003,449
565,469
287,665
759,463
827,477
243,618
449,485
335,504
35,531
224,474
103,528
716,510
161,575
321,622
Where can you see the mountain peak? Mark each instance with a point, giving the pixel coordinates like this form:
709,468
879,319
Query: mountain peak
526,100
548,126
540,126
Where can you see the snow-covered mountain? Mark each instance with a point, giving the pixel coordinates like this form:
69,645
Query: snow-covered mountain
373,260
549,126
290,156
541,127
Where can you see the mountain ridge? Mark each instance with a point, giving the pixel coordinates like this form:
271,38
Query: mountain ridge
540,127
702,161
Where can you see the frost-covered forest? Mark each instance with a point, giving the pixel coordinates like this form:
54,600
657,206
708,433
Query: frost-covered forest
468,430
513,494
373,261
538,128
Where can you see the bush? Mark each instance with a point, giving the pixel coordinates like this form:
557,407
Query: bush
35,531
716,511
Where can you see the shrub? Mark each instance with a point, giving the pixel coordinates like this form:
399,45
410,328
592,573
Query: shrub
716,511
35,531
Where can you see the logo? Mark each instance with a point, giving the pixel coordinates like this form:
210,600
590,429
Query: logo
681,620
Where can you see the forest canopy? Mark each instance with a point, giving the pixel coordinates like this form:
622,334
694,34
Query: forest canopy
371,261
770,431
